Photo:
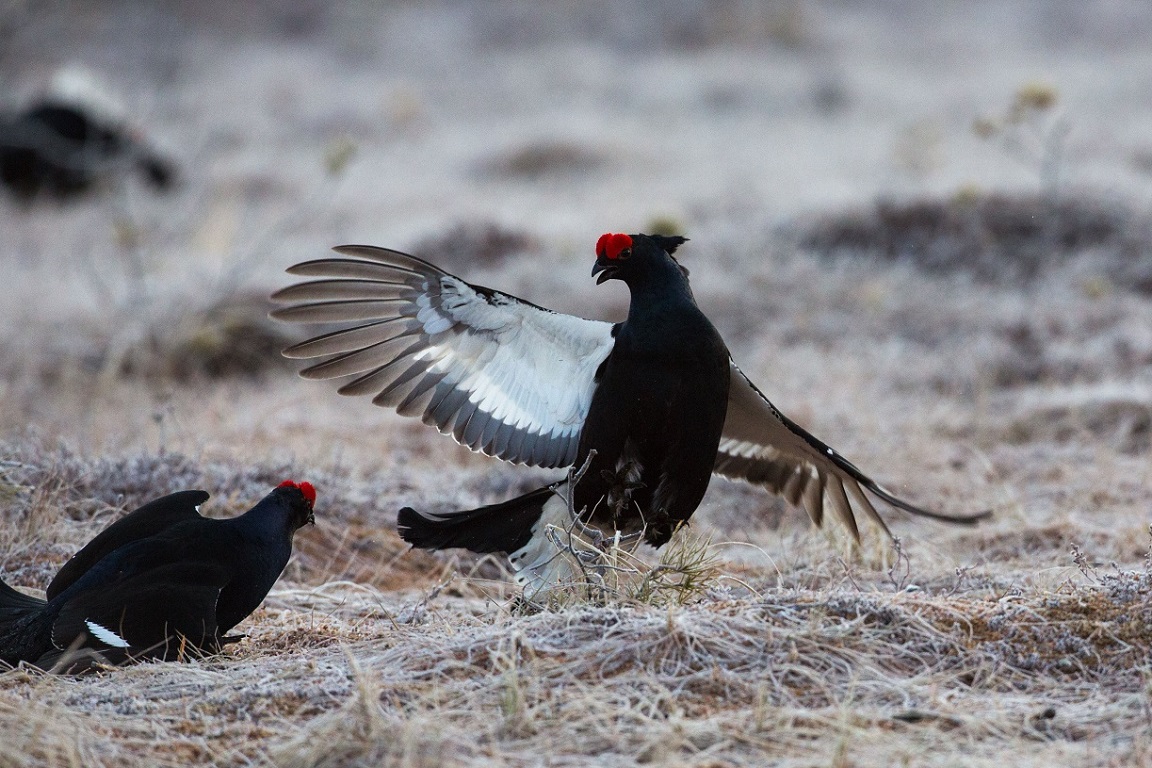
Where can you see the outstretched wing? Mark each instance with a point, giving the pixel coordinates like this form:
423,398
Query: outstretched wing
763,446
501,375
148,520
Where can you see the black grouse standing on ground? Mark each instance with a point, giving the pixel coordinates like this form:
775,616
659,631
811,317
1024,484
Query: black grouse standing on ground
657,397
161,582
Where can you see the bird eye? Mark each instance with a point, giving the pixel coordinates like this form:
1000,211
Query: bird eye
624,253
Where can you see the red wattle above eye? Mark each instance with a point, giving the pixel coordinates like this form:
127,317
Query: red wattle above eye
610,245
603,241
305,487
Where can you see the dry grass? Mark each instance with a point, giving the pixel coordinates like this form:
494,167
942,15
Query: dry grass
343,668
865,679
970,350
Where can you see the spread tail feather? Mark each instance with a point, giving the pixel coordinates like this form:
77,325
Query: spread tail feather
503,527
25,627
15,605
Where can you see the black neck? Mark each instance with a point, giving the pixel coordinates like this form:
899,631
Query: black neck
661,288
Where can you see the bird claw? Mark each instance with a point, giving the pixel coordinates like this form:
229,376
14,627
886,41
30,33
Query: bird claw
599,539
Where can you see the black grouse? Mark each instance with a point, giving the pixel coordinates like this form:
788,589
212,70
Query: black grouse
657,397
161,582
63,149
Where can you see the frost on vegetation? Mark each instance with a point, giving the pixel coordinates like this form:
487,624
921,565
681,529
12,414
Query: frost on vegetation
617,572
646,662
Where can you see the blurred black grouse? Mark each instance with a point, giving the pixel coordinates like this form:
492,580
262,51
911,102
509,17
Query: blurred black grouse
63,149
657,397
161,582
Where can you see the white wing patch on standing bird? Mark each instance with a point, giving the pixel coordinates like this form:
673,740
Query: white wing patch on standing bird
502,376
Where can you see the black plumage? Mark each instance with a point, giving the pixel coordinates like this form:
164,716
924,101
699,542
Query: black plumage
161,582
661,396
61,150
657,397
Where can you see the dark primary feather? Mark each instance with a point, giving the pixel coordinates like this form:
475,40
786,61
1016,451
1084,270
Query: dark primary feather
168,605
761,445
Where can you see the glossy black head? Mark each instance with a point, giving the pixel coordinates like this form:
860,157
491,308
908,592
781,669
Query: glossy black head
301,498
623,257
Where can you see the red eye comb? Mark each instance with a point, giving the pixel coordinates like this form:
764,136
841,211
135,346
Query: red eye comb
612,244
305,487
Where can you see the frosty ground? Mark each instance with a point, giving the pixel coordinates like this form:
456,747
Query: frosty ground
925,235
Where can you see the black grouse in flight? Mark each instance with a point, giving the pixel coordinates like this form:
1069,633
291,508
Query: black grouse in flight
161,582
657,397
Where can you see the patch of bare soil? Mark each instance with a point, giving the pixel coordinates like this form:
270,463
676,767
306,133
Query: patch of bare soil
996,238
